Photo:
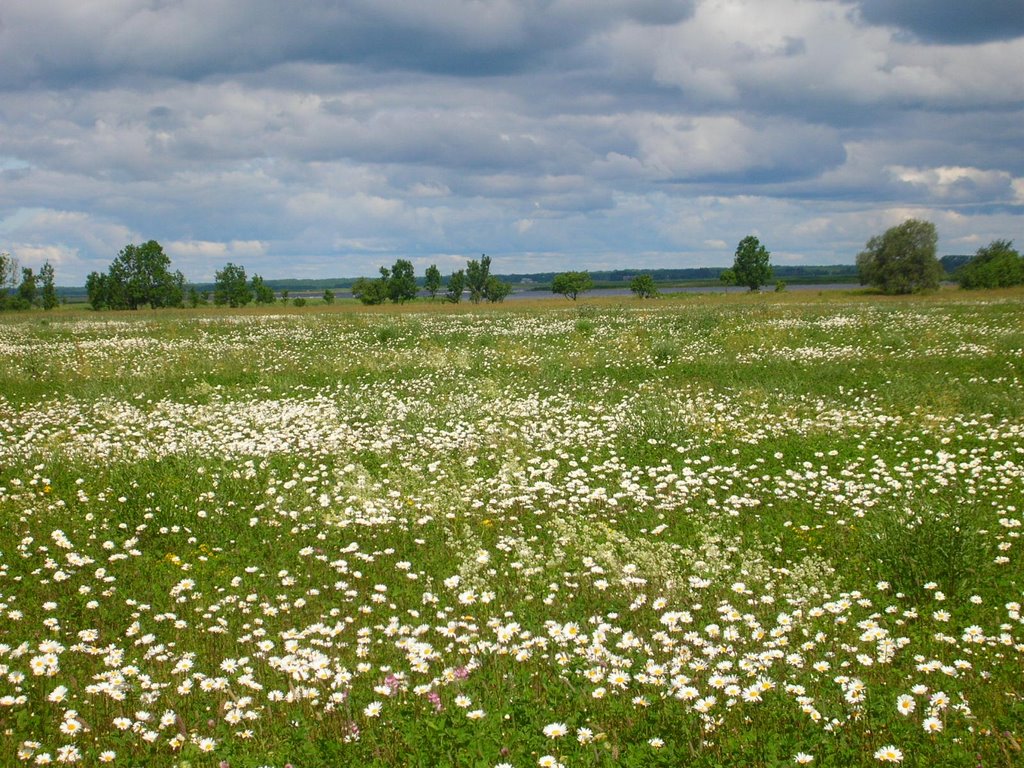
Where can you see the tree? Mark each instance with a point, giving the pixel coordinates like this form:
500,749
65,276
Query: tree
571,284
284,295
328,296
902,260
370,291
231,286
432,280
27,292
495,290
997,265
456,285
8,276
477,273
643,286
261,292
49,289
141,275
728,277
402,282
752,263
98,290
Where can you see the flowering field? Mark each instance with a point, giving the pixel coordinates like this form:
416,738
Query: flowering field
712,531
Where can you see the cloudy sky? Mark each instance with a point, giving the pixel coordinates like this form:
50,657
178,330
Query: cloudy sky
325,138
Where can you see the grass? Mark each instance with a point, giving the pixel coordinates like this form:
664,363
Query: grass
704,530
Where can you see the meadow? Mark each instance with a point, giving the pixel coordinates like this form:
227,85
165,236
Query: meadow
704,531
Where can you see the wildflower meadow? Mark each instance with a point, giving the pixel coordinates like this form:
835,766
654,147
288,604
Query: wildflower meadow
757,530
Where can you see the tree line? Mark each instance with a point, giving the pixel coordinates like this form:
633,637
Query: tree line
22,288
901,260
398,284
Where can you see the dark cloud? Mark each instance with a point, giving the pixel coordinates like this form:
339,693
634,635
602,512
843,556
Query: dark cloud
949,21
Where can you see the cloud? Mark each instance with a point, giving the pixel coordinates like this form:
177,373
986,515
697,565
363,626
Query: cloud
328,138
949,21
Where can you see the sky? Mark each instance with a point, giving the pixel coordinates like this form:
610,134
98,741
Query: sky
317,138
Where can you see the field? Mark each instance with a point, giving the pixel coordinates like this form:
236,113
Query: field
704,531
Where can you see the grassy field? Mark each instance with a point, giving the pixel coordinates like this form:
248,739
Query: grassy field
704,531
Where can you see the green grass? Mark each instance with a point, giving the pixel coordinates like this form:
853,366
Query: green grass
230,536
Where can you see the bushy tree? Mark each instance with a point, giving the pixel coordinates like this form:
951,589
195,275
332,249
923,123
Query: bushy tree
456,285
571,284
902,260
432,280
728,277
371,291
495,291
231,286
9,272
752,265
643,286
28,294
261,292
997,265
482,285
48,286
139,275
477,272
328,296
402,282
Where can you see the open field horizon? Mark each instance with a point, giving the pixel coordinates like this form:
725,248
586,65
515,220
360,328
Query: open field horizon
711,530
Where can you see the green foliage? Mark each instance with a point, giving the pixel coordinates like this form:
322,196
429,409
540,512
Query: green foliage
477,272
299,301
571,284
495,291
482,285
49,289
997,265
370,291
456,285
402,282
728,277
902,260
752,265
643,286
260,291
780,286
140,275
231,286
27,292
328,296
8,274
432,280
284,295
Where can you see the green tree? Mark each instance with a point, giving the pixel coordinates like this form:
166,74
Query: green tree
477,272
997,265
902,260
9,271
456,285
98,290
643,286
752,263
402,282
261,292
728,277
231,286
284,295
28,294
370,291
328,296
432,280
571,284
49,288
495,290
140,275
